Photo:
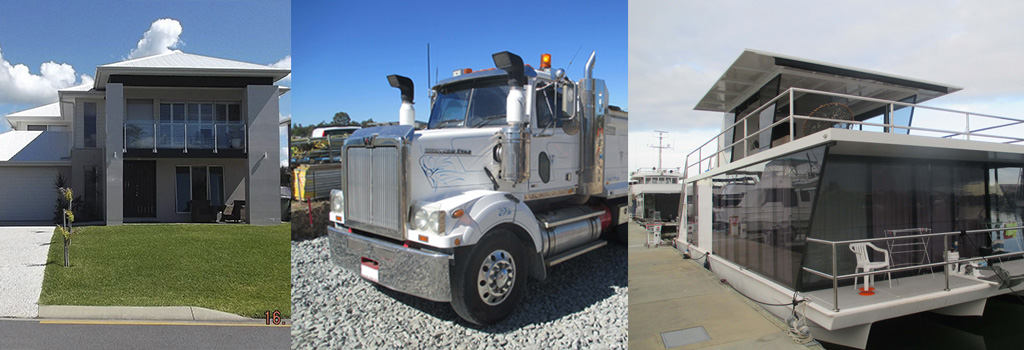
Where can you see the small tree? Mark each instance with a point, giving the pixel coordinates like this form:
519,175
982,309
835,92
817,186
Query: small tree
342,118
65,228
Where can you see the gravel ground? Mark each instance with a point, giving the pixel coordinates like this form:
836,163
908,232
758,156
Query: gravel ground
582,304
22,261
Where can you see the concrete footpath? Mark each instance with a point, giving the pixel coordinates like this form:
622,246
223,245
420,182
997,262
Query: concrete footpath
668,293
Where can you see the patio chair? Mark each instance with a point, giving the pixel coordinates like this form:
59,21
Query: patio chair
864,264
237,213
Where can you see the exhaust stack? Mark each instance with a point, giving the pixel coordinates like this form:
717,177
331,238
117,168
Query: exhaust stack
406,114
591,139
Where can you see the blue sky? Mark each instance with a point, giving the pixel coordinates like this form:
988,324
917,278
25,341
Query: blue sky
87,34
345,50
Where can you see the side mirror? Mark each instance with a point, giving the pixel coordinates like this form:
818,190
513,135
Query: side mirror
570,106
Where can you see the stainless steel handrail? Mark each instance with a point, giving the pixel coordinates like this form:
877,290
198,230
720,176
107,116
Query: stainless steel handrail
889,127
835,277
950,233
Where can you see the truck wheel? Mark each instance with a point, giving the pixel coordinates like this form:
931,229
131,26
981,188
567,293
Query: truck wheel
487,285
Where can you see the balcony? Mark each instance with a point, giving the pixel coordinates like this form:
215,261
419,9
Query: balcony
146,138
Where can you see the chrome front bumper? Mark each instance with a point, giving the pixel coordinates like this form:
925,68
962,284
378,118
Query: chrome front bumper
407,270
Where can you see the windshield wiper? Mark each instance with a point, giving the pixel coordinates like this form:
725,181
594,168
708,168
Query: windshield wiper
483,122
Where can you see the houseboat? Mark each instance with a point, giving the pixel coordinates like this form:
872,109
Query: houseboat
824,177
654,194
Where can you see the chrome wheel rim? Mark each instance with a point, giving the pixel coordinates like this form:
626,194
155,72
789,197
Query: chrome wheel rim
496,277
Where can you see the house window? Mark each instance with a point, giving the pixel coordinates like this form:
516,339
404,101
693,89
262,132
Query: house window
171,132
183,189
89,133
198,182
216,185
37,128
205,123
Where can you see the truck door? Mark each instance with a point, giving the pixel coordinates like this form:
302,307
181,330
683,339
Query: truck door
553,152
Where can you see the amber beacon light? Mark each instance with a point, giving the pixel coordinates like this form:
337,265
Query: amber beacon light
545,61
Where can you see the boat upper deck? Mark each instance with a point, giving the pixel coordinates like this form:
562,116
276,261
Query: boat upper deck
964,135
772,101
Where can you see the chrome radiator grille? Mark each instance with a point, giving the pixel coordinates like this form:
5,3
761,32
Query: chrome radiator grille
373,197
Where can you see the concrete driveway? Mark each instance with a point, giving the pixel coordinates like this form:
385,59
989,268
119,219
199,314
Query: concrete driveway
22,260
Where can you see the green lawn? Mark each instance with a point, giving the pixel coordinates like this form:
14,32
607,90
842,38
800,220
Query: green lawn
240,269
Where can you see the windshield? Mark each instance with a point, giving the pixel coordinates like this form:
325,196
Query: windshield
473,104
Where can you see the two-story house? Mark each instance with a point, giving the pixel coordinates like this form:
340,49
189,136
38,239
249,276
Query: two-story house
151,140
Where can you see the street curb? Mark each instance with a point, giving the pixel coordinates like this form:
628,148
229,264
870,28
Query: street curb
162,313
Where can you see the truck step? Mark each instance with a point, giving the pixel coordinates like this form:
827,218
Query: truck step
555,260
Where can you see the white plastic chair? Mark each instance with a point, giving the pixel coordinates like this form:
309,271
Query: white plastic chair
866,265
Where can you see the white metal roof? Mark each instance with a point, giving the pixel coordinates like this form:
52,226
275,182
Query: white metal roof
80,87
755,68
51,110
179,59
182,63
34,146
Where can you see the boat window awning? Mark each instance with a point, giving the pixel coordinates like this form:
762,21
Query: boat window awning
754,68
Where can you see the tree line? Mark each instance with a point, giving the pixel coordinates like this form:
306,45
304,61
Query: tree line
340,119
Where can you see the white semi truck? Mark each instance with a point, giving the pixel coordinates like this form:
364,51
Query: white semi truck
519,169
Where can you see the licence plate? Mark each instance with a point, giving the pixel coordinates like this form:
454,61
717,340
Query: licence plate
370,270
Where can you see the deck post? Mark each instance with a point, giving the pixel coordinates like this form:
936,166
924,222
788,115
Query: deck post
889,120
968,122
835,282
745,136
791,135
945,258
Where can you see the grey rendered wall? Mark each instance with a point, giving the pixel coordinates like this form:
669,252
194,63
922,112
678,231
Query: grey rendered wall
112,153
263,177
80,158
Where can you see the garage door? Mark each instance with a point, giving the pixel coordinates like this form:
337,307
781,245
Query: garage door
27,193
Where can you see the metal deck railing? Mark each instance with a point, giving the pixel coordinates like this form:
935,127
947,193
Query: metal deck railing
137,134
836,277
709,154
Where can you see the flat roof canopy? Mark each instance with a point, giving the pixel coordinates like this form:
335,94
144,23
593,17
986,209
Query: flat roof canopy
753,69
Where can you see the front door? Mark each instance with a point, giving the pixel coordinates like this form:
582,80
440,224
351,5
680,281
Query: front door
140,189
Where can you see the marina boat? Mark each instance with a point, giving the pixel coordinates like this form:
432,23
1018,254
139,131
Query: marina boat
825,177
654,194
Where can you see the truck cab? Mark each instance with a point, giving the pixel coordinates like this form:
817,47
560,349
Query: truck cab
518,169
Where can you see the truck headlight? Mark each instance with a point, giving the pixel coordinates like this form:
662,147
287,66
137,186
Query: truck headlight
419,220
338,204
429,221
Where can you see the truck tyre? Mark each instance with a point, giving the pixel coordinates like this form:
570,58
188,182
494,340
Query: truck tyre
487,285
622,234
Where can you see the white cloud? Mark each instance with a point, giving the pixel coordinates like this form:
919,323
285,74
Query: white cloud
285,62
19,85
163,36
